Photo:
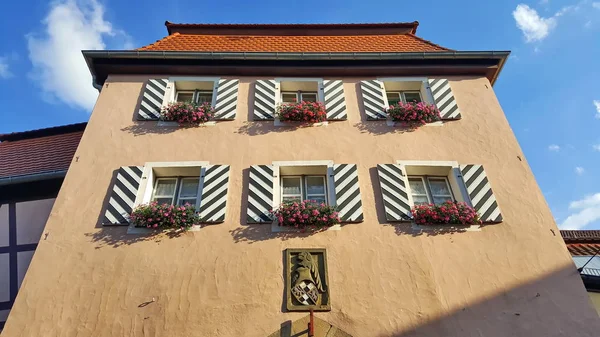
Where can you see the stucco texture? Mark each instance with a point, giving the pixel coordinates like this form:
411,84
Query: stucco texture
511,279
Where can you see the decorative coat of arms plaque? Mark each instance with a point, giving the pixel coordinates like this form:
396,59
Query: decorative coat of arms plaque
306,280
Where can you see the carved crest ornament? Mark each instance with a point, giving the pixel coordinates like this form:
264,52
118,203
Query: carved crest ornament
306,276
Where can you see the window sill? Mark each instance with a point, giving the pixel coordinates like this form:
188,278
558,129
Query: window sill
275,228
445,228
297,124
168,124
400,125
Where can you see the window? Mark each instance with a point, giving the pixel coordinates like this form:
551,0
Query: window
298,188
176,190
394,97
196,96
430,190
298,96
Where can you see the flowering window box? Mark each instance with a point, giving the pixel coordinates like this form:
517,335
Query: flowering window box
187,114
448,214
413,115
306,215
302,113
164,216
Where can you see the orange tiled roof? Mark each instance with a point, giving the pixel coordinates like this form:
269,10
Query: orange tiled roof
244,43
583,249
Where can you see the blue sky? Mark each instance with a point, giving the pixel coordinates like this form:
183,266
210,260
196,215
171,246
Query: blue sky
548,89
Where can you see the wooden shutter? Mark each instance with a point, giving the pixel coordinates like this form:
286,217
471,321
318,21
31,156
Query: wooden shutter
373,94
335,102
213,203
152,99
347,192
260,194
480,192
123,195
394,192
265,93
444,98
226,100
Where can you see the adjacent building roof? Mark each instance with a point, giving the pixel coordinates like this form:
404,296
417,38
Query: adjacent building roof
307,38
581,242
39,151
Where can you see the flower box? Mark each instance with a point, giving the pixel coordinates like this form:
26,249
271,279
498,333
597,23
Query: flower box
187,114
413,114
448,213
306,215
302,112
164,216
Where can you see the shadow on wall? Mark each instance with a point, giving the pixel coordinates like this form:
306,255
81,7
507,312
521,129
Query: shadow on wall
116,236
263,127
541,307
140,128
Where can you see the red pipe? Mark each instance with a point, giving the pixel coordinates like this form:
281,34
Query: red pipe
311,325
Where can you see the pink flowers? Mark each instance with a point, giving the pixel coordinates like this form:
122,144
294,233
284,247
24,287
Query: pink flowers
306,112
449,213
414,114
156,215
307,214
186,113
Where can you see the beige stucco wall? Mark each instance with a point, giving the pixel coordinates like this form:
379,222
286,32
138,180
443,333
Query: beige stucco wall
511,279
595,298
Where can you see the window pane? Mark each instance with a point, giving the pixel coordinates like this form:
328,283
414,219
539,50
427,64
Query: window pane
412,97
297,199
189,187
185,96
417,186
441,200
317,198
163,200
315,185
393,98
204,97
439,187
165,187
309,97
182,202
288,97
420,199
291,186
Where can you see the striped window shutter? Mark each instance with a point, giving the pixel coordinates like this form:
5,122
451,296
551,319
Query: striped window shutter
152,99
394,191
123,195
226,101
444,99
265,93
374,100
347,192
260,194
215,182
480,192
335,102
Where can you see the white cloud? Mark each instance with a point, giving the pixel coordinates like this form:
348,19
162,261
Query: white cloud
4,68
597,104
585,211
596,147
554,148
579,170
533,26
58,65
596,5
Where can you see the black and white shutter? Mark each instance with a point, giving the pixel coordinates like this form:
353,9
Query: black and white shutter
226,100
374,100
335,102
265,99
394,192
444,99
347,192
213,203
480,193
260,194
152,99
122,196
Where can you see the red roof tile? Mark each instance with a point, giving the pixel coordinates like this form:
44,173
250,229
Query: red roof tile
580,249
581,235
46,151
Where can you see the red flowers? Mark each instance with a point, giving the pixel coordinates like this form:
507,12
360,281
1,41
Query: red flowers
414,114
186,113
448,213
307,214
162,216
306,112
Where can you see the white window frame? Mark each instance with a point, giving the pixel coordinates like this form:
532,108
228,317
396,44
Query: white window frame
278,93
425,179
195,94
402,94
425,90
299,94
171,91
304,187
277,190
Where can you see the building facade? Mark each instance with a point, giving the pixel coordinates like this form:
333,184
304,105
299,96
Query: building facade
32,167
380,274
